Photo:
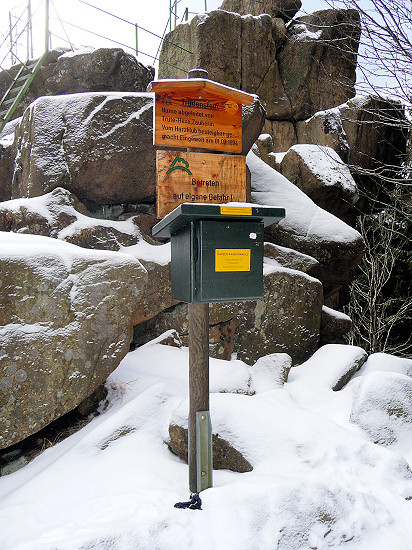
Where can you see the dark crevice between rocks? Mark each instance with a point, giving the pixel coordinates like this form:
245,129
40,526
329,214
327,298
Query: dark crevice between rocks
18,455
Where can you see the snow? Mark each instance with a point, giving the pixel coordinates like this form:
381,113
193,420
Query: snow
318,481
335,314
49,204
28,247
7,134
318,370
327,166
79,51
303,217
303,34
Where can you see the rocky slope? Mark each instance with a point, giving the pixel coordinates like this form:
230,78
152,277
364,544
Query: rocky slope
80,168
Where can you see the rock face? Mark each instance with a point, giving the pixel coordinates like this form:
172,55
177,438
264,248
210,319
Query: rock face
334,327
63,72
99,146
296,73
6,168
286,319
65,324
236,51
318,61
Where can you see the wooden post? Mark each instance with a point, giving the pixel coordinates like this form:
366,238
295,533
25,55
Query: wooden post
198,318
198,379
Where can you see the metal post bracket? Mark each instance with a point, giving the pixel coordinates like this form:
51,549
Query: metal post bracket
204,459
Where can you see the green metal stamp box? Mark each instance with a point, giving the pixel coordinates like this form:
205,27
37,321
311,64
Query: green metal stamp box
217,250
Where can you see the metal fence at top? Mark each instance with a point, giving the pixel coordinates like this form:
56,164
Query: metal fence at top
26,23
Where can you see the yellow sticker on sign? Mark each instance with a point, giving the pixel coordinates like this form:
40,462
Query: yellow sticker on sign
232,259
236,210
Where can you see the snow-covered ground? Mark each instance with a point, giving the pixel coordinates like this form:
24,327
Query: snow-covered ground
318,480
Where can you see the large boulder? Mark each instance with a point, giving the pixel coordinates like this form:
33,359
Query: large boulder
66,72
285,9
295,72
317,63
59,214
320,173
236,51
286,319
98,145
307,228
382,407
65,325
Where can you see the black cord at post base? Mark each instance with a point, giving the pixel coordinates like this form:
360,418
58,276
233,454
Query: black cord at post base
195,503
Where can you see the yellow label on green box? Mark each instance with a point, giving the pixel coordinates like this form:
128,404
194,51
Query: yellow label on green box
236,210
232,259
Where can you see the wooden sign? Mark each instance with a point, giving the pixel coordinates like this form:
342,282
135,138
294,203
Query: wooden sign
196,113
199,178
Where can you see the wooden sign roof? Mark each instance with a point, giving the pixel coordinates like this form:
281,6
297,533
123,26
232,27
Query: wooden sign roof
198,113
194,85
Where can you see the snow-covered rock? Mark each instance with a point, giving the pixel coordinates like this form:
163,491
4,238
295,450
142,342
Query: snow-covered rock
317,480
367,132
319,371
334,326
97,145
382,406
322,175
287,257
284,9
388,363
59,214
307,227
269,372
65,324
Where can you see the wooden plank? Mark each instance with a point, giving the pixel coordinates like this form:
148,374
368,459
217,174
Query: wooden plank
197,120
195,85
198,178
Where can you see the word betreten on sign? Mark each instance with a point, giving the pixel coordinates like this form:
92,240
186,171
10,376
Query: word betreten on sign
199,178
197,113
